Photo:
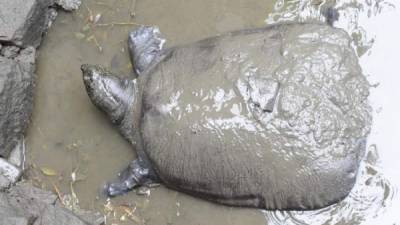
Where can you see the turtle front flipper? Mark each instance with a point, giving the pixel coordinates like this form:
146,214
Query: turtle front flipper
145,45
137,174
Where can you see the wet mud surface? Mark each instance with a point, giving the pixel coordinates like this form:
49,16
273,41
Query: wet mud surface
69,136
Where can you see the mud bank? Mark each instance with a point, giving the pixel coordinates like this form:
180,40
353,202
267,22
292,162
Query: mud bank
23,24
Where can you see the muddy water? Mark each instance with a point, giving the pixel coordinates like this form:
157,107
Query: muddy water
68,134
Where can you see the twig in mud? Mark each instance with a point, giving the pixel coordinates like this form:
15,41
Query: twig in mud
132,10
90,12
118,42
40,131
93,37
97,44
118,24
103,4
59,195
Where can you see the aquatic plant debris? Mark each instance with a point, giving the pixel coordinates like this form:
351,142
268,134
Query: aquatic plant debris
93,21
96,42
121,213
133,8
119,24
59,194
79,35
48,171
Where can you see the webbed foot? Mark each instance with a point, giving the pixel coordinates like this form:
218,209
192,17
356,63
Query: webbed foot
138,173
145,45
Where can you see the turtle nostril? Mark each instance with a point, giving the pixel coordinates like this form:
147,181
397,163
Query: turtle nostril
84,67
87,78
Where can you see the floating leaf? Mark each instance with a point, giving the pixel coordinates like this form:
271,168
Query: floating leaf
90,38
86,28
48,171
79,35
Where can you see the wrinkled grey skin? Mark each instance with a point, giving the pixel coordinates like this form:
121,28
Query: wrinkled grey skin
17,81
273,118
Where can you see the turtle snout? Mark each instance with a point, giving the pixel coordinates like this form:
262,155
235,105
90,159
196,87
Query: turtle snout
87,78
84,67
86,73
90,75
91,72
92,81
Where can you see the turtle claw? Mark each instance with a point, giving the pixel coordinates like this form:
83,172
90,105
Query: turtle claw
116,188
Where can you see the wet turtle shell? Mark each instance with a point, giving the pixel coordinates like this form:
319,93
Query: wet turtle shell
274,118
207,129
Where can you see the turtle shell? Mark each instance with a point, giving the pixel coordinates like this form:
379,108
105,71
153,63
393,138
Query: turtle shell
274,118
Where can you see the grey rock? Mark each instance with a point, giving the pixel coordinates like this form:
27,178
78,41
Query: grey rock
9,171
23,22
94,218
52,215
10,51
29,198
14,221
274,118
17,81
51,16
5,183
17,156
69,5
27,56
10,213
24,202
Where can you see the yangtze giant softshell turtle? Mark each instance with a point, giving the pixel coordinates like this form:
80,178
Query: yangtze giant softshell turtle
274,118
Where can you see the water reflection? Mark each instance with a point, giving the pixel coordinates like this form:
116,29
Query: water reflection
374,198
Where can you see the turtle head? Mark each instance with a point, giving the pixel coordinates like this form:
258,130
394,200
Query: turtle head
108,92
